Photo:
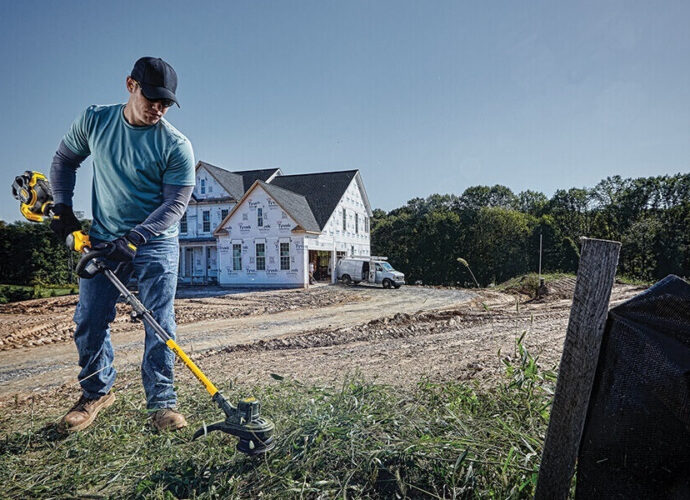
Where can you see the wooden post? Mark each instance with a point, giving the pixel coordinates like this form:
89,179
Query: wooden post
595,275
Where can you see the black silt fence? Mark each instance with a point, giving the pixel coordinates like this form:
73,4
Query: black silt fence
636,440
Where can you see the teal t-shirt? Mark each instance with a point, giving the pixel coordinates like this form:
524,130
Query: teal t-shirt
130,166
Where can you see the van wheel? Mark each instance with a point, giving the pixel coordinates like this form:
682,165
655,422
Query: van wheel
346,279
387,283
397,286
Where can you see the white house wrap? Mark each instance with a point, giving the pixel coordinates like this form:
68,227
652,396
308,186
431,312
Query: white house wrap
261,228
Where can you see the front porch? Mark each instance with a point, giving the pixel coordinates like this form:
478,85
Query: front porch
198,262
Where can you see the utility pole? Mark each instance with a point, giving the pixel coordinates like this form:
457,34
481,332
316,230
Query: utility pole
541,280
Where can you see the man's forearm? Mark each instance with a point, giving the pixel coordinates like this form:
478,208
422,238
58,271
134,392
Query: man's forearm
175,200
63,174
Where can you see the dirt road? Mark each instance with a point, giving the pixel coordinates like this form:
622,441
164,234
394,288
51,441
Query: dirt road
467,341
321,335
39,355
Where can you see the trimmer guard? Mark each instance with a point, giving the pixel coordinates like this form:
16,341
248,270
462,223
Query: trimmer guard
255,433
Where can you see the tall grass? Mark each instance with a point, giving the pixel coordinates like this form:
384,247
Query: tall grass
528,284
357,440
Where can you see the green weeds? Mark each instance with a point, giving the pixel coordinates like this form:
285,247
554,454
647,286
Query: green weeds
358,440
628,280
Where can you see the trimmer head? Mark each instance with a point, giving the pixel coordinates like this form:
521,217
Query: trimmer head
255,433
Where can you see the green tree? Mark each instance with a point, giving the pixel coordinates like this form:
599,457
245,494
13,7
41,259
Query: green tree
30,253
571,212
500,246
477,197
531,202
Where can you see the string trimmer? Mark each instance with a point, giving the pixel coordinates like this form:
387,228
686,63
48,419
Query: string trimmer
244,421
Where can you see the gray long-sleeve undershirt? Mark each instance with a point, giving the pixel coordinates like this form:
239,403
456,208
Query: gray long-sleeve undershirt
63,176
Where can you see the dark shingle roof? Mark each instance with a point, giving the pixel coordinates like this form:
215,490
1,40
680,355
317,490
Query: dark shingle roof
322,191
231,182
250,176
294,204
237,183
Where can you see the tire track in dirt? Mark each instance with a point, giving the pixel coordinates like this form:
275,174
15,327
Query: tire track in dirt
433,334
39,322
46,366
468,342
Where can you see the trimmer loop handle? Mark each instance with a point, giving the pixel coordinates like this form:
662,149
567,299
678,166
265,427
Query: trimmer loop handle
88,268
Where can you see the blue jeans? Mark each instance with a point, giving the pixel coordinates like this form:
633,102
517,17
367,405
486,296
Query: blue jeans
155,267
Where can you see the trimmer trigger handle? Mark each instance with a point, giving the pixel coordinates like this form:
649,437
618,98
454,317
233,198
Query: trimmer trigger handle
78,241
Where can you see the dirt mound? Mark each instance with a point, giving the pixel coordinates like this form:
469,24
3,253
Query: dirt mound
51,305
556,287
397,326
562,288
44,321
264,302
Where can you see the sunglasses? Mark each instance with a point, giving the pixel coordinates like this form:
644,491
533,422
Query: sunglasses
166,103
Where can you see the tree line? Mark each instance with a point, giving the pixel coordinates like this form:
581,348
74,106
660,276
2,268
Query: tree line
31,254
497,231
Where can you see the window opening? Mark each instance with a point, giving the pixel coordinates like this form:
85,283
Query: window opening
285,256
236,257
260,257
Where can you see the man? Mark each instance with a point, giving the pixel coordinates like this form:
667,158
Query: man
143,177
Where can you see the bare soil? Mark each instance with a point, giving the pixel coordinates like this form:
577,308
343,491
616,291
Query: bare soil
319,335
38,322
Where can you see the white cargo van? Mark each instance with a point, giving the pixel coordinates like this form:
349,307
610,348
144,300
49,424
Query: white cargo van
369,270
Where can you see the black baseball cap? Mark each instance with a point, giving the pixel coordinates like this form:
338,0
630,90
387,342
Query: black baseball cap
157,78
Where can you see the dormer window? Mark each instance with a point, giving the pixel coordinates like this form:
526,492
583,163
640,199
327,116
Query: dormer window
202,186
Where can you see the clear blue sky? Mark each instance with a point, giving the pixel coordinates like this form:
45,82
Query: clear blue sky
422,97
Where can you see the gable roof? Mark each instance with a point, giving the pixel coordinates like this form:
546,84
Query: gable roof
295,205
231,182
237,183
322,190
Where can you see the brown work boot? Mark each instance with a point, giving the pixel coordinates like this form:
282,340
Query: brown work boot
167,419
84,412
